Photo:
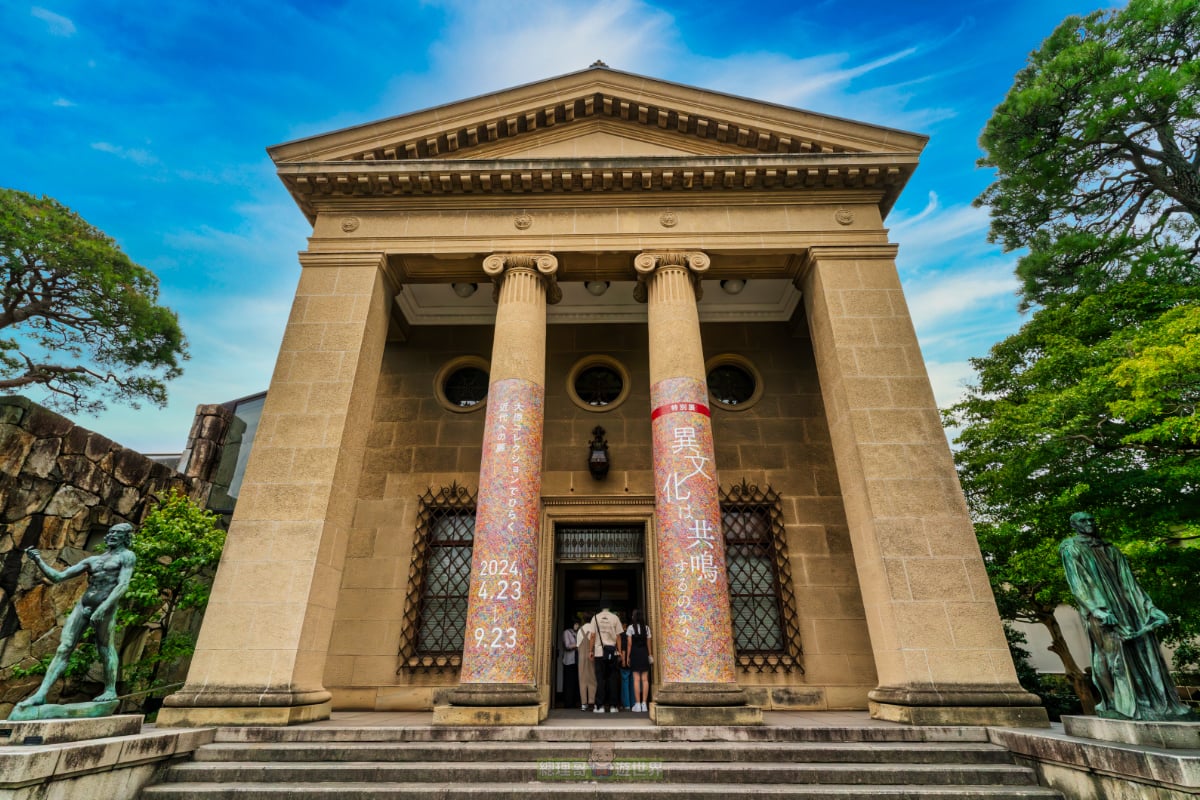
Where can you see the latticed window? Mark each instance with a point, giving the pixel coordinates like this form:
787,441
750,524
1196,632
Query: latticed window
439,580
766,632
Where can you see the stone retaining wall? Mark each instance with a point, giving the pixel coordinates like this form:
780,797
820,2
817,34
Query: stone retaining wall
60,486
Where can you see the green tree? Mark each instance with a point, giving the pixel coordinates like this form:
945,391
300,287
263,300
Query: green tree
1096,148
77,316
1092,404
178,546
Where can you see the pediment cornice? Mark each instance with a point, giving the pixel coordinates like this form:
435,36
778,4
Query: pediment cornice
710,120
341,184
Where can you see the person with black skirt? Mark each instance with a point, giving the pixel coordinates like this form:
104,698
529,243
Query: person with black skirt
640,658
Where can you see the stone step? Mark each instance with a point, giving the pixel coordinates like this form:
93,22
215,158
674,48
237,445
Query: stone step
675,773
740,752
555,790
631,733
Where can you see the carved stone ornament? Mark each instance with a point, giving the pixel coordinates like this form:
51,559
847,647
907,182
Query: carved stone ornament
350,224
844,216
694,263
523,222
668,219
544,264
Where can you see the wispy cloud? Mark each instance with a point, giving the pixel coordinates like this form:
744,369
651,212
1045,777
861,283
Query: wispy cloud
57,23
62,102
960,293
143,158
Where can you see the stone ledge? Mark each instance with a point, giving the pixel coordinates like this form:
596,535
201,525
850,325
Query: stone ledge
28,765
1002,716
1169,735
205,716
57,731
485,715
1090,768
705,715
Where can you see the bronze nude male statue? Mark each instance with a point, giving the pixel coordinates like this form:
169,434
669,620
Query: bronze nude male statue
108,578
1127,666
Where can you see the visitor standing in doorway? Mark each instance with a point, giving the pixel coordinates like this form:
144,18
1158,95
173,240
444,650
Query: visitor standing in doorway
586,664
641,656
607,659
570,646
626,672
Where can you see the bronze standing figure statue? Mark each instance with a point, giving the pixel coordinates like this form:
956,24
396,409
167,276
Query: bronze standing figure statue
108,578
1127,666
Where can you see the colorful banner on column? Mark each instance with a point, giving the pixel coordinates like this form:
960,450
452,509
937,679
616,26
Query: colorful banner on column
498,645
695,635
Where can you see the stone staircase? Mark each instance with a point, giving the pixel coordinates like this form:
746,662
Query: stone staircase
369,763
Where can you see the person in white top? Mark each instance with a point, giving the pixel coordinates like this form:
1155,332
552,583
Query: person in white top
641,656
606,653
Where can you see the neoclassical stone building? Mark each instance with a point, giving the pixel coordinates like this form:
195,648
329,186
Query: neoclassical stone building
600,338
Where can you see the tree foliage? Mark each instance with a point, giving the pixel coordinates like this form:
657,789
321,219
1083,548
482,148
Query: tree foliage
1097,149
77,316
178,546
1091,405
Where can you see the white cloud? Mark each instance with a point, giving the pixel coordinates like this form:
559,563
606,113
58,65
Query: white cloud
931,229
143,158
940,297
949,380
57,23
62,102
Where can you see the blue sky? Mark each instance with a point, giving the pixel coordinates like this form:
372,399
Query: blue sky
150,119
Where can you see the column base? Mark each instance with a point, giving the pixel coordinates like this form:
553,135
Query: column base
208,716
1004,705
703,704
700,694
491,704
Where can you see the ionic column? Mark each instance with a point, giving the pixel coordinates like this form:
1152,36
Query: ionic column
497,676
695,636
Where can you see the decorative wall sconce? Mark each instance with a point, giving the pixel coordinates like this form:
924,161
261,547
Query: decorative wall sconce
598,454
464,290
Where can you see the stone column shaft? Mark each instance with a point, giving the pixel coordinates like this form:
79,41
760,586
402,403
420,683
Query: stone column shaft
937,638
498,652
260,657
695,636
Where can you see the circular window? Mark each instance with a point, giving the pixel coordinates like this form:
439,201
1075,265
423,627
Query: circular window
598,383
733,382
462,384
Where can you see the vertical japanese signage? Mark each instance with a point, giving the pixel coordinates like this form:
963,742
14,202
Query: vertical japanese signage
498,642
696,632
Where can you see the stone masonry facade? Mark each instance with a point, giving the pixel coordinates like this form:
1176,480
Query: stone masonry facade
61,485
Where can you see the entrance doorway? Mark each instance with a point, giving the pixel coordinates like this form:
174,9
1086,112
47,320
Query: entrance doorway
595,564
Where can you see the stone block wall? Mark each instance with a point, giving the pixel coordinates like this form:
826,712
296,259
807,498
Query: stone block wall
783,441
60,485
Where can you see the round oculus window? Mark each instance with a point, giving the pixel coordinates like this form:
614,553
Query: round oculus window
466,387
731,384
599,385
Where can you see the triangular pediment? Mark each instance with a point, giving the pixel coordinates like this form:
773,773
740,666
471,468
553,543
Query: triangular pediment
598,112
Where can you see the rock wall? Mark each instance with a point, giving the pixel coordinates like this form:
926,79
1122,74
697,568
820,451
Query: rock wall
61,487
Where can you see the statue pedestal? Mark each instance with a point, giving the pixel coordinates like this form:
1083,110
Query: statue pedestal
1170,735
59,731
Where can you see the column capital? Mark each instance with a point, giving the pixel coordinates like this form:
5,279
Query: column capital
544,265
647,263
